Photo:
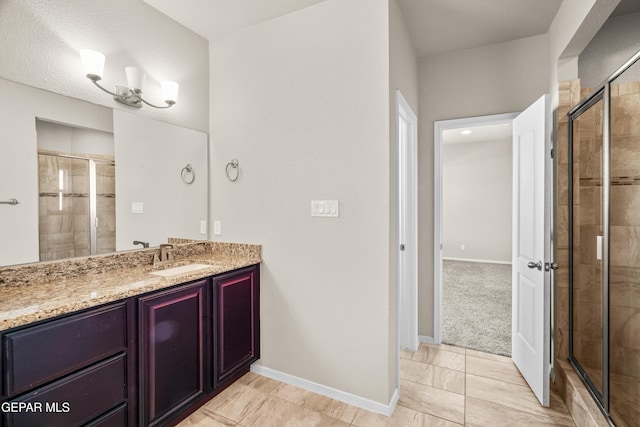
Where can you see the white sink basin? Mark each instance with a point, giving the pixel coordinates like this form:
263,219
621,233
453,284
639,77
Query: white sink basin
180,270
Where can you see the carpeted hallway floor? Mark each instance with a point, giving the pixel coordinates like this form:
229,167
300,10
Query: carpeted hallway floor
476,306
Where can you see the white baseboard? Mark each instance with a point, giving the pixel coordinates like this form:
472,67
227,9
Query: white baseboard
426,340
342,396
484,261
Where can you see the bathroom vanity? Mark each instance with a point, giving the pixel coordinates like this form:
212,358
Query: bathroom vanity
149,358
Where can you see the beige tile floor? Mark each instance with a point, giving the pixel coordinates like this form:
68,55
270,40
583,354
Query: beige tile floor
440,386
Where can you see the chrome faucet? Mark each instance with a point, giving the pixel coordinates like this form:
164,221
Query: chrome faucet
144,244
165,255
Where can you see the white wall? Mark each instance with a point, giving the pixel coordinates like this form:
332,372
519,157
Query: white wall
150,156
476,210
495,79
403,76
40,40
616,42
302,102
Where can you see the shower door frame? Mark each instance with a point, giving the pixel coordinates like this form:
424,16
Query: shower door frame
601,92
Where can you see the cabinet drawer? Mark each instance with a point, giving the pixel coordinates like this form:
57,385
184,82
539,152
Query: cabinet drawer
45,352
116,418
76,399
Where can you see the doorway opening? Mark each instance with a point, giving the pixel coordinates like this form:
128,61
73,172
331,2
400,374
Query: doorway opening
473,233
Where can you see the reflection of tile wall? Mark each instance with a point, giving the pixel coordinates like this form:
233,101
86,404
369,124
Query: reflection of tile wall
106,208
57,209
64,217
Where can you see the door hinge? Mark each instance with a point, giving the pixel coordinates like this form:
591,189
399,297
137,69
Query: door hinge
552,153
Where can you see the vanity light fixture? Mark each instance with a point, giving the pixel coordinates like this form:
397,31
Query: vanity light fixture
93,62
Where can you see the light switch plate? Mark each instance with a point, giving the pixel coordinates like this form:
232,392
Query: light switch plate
325,208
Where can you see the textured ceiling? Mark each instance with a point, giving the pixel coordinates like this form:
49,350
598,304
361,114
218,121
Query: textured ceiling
438,26
214,18
40,40
435,26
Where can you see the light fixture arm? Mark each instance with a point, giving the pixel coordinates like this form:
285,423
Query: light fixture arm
169,103
95,79
124,95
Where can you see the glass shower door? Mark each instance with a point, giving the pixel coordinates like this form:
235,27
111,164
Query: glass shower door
587,235
64,207
624,269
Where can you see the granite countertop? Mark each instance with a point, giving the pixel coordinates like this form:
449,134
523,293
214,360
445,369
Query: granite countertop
22,303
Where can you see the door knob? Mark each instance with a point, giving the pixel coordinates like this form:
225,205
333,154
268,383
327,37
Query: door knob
402,247
537,265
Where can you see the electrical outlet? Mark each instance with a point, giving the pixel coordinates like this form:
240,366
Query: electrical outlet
203,226
217,228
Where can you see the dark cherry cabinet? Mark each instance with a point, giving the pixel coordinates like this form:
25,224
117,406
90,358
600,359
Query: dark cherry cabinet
68,344
236,322
149,360
172,351
76,399
71,371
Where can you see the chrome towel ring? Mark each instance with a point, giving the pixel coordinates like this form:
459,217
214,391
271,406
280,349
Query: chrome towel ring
187,174
233,177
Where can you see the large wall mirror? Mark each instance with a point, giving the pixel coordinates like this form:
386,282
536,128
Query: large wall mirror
92,180
92,175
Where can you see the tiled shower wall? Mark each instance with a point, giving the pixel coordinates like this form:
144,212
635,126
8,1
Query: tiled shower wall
624,269
569,95
624,327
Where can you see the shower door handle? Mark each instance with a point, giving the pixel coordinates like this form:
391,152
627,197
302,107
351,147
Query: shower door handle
537,265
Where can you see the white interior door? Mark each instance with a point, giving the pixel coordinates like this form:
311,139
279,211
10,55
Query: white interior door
531,244
407,225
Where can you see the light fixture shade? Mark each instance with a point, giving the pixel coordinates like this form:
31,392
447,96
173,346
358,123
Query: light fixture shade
135,78
170,91
93,62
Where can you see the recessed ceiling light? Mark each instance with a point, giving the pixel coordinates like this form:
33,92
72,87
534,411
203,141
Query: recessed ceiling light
466,132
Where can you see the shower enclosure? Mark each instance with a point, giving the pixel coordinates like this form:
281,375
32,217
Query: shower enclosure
604,236
77,205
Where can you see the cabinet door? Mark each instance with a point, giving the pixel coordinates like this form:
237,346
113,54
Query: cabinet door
236,322
172,351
